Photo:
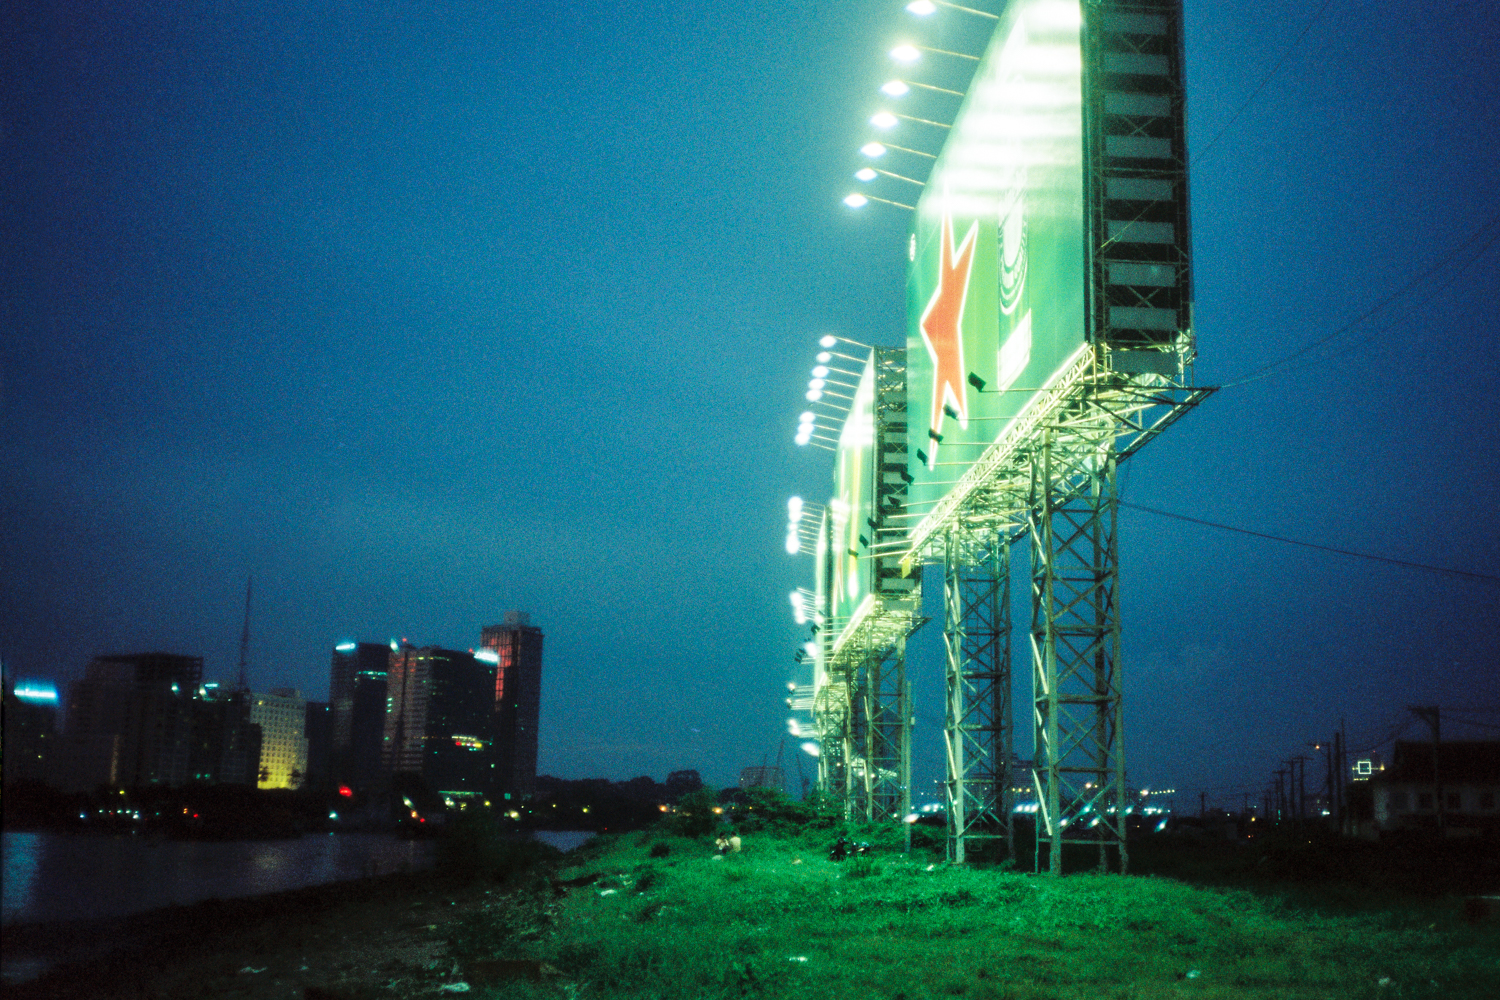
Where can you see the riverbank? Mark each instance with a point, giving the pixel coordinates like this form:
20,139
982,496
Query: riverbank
343,938
651,914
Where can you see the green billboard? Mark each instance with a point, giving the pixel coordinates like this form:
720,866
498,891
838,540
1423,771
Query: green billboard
995,285
850,569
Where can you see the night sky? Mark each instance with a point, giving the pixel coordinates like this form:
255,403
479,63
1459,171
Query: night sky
423,312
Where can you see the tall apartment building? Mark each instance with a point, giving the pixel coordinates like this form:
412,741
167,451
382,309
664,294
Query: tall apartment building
225,744
28,718
130,722
517,647
357,696
281,715
440,723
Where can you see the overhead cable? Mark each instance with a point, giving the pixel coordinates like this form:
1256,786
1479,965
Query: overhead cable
1314,545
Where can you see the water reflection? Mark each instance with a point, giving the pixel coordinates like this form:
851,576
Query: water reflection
53,876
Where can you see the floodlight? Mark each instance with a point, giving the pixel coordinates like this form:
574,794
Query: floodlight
870,173
821,371
816,383
808,416
824,357
856,201
872,149
813,395
810,748
828,341
921,8
883,119
895,88
905,53
791,685
792,545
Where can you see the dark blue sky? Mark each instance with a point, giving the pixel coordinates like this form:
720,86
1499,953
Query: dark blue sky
424,312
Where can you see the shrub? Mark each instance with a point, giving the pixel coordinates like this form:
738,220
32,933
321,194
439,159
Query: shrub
695,816
473,846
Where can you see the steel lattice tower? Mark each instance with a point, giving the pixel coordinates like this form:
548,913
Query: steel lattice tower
1077,702
977,731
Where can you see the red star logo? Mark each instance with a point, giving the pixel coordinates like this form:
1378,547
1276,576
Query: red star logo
942,329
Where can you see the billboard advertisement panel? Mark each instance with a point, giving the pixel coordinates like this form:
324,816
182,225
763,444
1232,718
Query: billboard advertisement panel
996,279
850,568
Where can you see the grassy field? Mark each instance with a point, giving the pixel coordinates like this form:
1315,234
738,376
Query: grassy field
656,915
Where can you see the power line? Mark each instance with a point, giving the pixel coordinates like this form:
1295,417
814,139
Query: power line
1264,80
1314,545
1493,222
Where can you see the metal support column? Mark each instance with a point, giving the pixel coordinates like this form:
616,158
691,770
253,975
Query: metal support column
887,733
977,729
1078,708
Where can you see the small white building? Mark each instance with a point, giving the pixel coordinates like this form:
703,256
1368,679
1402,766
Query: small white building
1467,776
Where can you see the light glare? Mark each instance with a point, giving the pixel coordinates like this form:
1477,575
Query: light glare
883,119
865,175
813,395
895,88
829,340
856,201
905,53
872,149
820,372
921,8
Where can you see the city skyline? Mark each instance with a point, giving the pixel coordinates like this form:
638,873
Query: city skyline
417,318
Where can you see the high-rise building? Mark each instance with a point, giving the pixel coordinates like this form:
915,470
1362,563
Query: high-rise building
281,715
225,744
318,726
29,721
517,647
130,722
440,723
357,698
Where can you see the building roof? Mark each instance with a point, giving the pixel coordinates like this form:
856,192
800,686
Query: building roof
1458,761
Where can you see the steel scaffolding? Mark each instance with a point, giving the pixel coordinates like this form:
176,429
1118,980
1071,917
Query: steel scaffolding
977,730
1077,701
885,723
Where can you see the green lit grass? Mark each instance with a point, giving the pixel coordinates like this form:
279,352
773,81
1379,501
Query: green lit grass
779,920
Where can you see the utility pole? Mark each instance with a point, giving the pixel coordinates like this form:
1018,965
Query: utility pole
1338,778
1429,714
1300,761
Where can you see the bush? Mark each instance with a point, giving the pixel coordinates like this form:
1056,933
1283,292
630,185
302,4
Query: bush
770,809
695,816
473,846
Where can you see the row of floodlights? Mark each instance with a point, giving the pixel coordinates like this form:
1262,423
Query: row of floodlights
819,391
802,521
906,54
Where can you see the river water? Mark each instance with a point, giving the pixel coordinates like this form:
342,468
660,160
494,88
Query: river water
49,876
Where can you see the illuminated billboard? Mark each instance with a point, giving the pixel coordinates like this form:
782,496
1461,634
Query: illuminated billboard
997,274
849,566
